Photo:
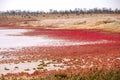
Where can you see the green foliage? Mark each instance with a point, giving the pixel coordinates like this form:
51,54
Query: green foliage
113,74
98,75
6,68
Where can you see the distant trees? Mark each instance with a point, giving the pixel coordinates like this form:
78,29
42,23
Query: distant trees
76,11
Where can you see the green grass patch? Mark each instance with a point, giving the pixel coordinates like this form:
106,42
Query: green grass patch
6,69
105,74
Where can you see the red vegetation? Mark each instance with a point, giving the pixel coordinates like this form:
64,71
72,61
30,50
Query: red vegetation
75,34
102,52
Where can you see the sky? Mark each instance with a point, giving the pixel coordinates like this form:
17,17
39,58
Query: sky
45,5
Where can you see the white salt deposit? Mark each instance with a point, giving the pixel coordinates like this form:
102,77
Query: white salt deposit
30,67
1,57
8,40
118,58
5,32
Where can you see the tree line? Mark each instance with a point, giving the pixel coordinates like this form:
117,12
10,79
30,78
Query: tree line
76,11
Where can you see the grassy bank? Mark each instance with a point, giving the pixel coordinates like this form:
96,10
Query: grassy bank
111,74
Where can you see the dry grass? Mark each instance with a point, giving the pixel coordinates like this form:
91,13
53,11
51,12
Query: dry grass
104,22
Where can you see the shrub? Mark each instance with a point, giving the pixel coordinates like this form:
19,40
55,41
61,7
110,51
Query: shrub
27,69
6,68
104,22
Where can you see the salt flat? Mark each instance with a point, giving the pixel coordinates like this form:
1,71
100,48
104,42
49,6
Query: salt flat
12,39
